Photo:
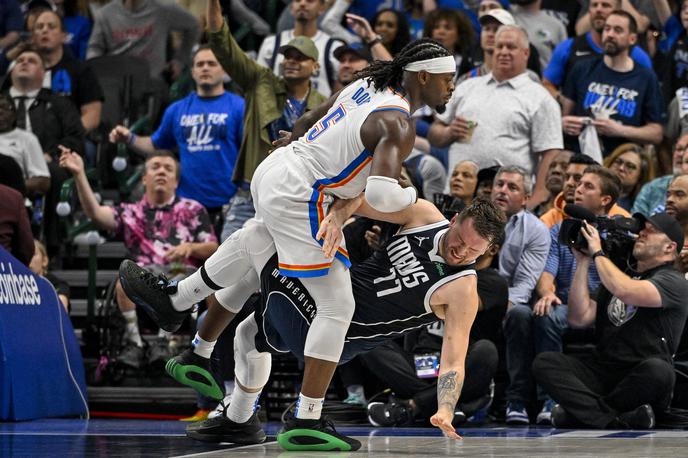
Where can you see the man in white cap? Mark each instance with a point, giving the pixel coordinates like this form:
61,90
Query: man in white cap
490,22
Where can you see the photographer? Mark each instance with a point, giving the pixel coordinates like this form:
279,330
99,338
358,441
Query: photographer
530,331
638,318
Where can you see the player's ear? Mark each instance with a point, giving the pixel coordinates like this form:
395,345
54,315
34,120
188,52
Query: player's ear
423,77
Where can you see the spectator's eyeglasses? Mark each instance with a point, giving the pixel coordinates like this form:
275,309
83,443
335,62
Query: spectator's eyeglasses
630,166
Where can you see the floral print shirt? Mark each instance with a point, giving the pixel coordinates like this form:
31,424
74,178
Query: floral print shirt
150,232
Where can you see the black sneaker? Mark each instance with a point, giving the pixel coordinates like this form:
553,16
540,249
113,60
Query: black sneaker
194,371
560,418
151,293
222,429
314,435
131,356
641,418
392,413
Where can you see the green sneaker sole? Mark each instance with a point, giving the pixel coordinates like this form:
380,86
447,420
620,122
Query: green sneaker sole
327,442
207,386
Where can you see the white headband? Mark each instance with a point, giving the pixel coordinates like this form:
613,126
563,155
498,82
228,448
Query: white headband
445,64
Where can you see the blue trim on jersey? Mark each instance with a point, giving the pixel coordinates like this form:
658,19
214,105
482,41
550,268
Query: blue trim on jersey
391,109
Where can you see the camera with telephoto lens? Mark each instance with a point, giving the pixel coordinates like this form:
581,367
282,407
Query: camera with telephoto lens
615,233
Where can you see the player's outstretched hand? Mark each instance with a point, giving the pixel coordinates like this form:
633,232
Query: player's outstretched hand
443,420
283,140
331,234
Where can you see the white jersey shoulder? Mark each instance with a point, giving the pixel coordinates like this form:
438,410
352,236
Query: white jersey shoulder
333,150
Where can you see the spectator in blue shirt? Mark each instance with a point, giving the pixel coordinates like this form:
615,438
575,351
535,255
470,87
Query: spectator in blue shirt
622,98
523,254
586,46
206,126
531,331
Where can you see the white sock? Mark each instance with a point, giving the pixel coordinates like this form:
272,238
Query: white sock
308,408
202,347
165,334
242,405
190,291
131,332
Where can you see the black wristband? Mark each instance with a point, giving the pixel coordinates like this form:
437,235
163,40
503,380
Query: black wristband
598,253
374,41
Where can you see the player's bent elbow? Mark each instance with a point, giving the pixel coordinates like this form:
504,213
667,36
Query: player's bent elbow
386,196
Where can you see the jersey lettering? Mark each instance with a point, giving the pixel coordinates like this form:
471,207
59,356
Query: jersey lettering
361,96
325,123
405,264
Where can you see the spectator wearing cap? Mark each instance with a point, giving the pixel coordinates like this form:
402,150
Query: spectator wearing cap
272,103
503,118
490,21
486,176
639,316
352,58
545,32
306,14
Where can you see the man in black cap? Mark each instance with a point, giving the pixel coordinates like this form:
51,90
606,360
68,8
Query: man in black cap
638,321
352,58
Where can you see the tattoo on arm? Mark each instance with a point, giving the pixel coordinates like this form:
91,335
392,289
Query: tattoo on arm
448,390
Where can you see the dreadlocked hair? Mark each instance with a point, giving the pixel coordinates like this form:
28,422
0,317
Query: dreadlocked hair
390,73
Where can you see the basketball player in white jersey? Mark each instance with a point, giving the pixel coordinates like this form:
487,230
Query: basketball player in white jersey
357,140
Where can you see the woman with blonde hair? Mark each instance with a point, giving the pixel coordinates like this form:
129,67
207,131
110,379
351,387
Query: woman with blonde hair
634,167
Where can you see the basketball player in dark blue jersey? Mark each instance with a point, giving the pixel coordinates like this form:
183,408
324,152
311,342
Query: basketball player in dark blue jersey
424,273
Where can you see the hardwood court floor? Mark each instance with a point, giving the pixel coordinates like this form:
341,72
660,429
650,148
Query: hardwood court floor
140,438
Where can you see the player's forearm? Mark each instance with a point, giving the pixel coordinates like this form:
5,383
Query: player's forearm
343,209
449,385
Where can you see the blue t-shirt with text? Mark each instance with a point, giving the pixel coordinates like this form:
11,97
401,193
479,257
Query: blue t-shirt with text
208,133
633,98
556,69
